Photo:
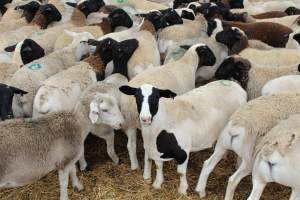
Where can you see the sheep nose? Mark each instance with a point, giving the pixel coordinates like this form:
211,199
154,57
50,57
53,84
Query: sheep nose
146,120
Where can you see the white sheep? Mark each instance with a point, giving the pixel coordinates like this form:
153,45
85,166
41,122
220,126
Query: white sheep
108,92
139,5
289,83
191,122
33,74
277,158
252,77
172,76
247,125
33,148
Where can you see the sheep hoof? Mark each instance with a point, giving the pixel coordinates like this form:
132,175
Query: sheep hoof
79,187
182,191
202,194
135,167
156,185
147,181
116,161
83,167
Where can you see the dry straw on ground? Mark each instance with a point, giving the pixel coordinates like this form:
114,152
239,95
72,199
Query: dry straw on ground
106,181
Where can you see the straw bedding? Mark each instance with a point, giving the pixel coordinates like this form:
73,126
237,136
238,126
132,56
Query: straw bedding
104,180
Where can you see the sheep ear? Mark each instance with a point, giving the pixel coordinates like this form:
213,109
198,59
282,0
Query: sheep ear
167,93
93,112
186,47
17,90
10,48
71,4
93,42
128,90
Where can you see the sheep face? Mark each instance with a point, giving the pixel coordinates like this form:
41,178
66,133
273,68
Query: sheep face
29,10
147,100
103,49
171,18
28,50
6,97
235,68
292,11
180,3
119,17
104,109
188,14
229,37
155,18
46,15
3,9
87,6
206,56
121,53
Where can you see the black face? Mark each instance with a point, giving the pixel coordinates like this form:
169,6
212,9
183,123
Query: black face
6,98
229,37
50,13
30,51
154,17
297,37
88,7
3,9
187,15
292,11
211,26
29,10
121,53
172,18
153,98
167,145
104,48
231,69
236,4
206,56
119,17
208,10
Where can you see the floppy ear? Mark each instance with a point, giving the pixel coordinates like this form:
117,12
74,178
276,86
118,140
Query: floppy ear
186,47
93,42
71,4
167,93
10,48
17,90
132,45
128,90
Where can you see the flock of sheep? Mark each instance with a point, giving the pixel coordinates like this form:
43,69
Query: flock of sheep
189,74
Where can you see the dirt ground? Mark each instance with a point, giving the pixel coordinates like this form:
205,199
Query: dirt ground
104,180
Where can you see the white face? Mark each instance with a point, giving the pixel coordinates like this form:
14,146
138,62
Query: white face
145,114
104,110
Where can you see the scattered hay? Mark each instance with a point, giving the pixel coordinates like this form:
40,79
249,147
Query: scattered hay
104,180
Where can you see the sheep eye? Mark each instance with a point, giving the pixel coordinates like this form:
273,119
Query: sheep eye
105,110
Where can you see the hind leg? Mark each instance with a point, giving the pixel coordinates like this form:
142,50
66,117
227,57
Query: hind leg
257,189
63,176
131,146
75,182
82,162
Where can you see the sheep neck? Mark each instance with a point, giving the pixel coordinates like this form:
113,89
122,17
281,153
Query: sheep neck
121,67
148,26
78,18
106,26
190,57
97,65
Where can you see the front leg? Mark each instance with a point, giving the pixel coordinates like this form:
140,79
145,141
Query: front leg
131,146
181,170
147,168
159,175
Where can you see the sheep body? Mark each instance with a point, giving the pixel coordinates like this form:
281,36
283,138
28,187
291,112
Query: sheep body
292,21
288,83
249,123
141,5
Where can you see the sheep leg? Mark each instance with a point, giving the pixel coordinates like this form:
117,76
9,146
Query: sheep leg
235,179
295,194
147,168
63,176
131,146
257,190
110,145
82,162
75,182
208,167
159,175
181,170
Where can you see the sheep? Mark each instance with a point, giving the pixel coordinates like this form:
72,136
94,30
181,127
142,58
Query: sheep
247,125
116,18
292,22
30,77
29,10
276,158
32,148
145,56
270,33
25,52
46,15
275,57
252,77
260,7
288,83
172,76
174,136
294,41
6,97
55,92
140,5
108,92
176,33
